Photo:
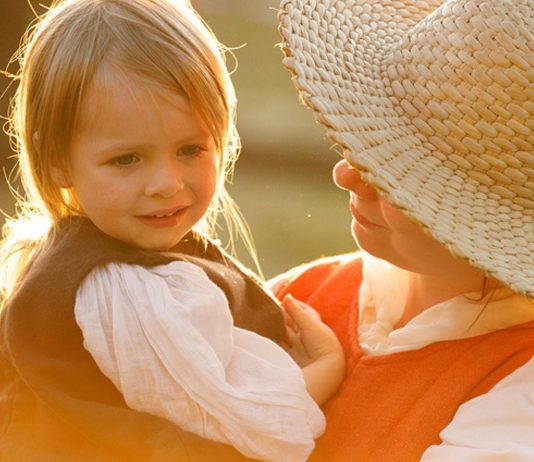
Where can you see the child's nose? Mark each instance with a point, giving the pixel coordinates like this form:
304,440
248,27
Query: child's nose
164,180
347,177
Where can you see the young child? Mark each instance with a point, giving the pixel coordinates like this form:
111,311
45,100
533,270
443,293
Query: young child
125,330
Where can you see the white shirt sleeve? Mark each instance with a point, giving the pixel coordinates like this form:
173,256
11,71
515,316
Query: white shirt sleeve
496,426
165,337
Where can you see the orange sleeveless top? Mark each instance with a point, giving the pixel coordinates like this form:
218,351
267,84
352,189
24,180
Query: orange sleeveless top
392,407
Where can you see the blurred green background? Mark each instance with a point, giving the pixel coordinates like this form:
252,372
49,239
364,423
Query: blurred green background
282,182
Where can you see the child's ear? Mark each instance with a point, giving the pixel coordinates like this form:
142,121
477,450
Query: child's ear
57,172
59,176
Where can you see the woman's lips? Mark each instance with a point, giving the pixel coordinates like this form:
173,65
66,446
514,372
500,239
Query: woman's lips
163,218
362,220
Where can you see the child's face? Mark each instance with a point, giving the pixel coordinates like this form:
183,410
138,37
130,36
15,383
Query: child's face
142,164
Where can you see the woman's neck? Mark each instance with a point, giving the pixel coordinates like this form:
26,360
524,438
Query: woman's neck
425,291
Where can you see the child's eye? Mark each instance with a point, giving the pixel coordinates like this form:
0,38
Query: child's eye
125,160
190,150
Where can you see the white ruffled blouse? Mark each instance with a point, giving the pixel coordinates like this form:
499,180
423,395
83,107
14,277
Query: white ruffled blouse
165,337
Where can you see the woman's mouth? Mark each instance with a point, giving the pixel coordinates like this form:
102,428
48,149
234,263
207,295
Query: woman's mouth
362,220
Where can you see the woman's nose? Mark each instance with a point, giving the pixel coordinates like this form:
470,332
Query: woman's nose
164,180
347,177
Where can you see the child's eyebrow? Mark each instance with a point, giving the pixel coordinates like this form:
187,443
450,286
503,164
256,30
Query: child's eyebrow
119,146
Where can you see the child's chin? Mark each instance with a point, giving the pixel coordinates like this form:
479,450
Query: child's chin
158,246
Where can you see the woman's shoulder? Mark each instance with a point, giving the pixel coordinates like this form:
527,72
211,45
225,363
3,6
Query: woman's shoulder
333,269
325,265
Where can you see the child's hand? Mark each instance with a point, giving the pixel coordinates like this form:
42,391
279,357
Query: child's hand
308,338
315,348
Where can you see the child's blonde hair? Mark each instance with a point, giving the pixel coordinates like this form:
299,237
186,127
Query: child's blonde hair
162,40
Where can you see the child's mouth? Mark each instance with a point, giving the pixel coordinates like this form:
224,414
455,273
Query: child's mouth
163,218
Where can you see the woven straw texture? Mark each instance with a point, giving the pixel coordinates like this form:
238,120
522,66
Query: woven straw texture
433,101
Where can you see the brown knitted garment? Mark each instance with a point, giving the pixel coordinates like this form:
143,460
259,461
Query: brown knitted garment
55,404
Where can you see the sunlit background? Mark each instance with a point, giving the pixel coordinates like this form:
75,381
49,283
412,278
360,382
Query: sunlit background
283,178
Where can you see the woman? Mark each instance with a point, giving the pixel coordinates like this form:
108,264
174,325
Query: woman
432,103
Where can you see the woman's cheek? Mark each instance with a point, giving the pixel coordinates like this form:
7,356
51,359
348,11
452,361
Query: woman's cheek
397,220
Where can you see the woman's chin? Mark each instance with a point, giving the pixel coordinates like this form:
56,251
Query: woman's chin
379,245
372,239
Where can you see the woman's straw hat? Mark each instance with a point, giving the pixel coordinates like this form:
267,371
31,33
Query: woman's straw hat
433,101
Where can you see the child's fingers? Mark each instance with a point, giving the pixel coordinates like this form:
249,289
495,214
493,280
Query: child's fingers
292,335
302,314
294,347
289,322
289,299
313,339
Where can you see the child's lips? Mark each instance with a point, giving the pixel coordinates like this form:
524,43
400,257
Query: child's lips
164,212
163,218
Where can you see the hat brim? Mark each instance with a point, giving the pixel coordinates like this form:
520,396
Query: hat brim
348,61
